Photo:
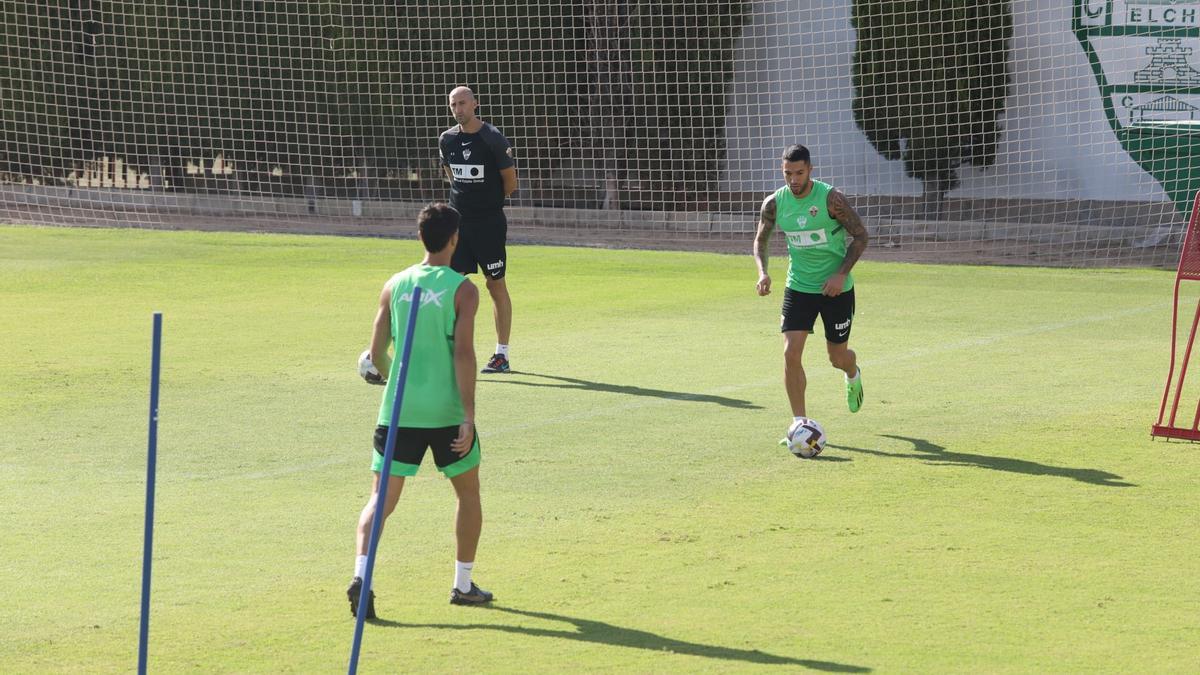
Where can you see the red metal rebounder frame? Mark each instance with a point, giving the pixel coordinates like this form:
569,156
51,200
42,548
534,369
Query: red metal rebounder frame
1189,270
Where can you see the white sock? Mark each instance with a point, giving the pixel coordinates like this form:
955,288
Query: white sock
462,575
797,418
857,372
502,350
360,566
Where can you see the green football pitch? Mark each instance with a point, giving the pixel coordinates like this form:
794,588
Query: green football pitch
997,505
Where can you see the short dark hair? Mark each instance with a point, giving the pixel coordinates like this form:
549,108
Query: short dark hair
437,222
797,153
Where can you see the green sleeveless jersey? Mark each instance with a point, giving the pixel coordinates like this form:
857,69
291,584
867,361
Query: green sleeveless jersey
431,397
816,242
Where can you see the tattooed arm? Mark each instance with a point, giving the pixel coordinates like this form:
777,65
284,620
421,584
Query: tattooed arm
842,212
766,223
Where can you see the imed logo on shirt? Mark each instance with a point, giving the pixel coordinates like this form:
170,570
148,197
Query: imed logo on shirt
467,173
807,238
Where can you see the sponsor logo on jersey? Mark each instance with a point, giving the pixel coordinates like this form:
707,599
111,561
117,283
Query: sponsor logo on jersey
467,173
807,238
813,211
427,297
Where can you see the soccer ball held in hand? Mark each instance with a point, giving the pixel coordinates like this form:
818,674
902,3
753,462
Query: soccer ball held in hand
367,370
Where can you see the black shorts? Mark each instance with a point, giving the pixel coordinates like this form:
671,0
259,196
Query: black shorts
800,312
481,246
411,444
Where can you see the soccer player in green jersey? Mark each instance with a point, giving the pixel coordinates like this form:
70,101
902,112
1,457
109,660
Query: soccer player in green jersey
817,221
439,401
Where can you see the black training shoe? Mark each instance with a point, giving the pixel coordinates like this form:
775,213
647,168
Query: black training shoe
475,596
497,364
354,593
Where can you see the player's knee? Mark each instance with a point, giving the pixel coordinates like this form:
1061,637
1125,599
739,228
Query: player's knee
840,358
497,287
793,354
391,505
469,500
368,513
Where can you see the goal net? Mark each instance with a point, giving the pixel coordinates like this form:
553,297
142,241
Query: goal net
1010,131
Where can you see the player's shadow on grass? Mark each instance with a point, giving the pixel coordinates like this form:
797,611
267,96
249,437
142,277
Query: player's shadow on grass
576,383
832,459
938,455
598,632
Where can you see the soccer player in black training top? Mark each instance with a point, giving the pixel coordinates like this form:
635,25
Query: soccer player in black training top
478,160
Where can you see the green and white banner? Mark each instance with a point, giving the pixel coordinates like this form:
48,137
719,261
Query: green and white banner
1145,57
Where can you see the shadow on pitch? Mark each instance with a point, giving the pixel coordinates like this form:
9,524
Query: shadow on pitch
576,383
938,455
598,632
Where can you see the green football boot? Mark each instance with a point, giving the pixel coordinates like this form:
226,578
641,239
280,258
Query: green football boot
854,392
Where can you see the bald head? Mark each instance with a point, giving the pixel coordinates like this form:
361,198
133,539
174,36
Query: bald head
463,106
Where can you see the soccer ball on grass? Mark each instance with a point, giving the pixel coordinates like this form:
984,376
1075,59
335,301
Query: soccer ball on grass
806,438
367,370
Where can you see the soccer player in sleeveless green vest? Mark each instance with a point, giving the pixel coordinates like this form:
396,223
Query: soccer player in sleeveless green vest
438,410
816,219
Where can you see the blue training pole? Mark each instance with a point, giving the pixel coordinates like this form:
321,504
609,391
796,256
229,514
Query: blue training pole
385,474
151,459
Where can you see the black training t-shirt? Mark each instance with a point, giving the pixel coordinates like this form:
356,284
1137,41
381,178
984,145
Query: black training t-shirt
475,161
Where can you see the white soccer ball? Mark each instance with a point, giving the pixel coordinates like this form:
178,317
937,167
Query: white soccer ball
367,370
806,438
